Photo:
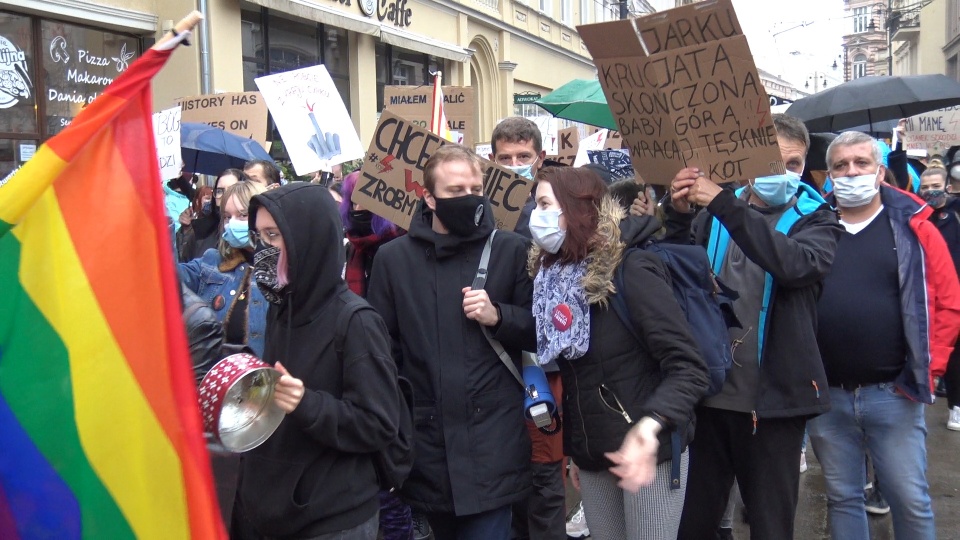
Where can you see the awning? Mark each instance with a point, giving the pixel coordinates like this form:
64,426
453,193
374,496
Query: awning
323,14
424,44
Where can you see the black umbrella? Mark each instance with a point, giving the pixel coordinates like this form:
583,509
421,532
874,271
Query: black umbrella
868,101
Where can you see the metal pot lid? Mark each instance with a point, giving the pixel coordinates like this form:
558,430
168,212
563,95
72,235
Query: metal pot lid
236,401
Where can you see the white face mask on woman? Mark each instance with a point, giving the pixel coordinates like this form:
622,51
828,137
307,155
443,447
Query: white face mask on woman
856,191
545,229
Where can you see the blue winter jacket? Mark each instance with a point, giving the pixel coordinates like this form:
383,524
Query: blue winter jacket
209,279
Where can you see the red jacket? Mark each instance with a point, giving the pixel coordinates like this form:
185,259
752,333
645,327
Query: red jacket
931,332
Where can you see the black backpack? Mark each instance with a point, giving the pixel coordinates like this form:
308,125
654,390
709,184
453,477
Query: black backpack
394,462
705,303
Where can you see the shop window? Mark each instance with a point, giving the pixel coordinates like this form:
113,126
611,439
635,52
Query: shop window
252,47
81,63
292,45
402,67
18,77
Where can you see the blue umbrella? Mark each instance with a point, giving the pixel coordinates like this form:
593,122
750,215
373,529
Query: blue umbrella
211,150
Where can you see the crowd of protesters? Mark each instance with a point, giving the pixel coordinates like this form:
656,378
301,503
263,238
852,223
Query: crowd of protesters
844,272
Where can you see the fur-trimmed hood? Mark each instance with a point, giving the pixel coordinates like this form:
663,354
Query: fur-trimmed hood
615,232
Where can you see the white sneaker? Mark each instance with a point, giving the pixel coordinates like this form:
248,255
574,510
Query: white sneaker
954,422
803,462
577,524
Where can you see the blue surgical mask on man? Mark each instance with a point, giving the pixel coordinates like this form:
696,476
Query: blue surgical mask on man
776,190
525,171
236,234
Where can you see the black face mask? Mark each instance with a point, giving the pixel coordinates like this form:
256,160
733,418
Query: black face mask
361,222
462,215
265,262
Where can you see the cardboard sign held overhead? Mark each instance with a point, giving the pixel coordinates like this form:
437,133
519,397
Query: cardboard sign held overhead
391,180
935,131
685,92
311,117
240,113
414,103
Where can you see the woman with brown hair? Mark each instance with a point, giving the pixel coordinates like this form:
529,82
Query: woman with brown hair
630,383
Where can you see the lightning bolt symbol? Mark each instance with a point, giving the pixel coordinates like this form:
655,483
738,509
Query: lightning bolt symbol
385,165
954,120
764,117
411,185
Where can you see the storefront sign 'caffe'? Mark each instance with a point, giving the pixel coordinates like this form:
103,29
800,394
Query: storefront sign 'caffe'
396,12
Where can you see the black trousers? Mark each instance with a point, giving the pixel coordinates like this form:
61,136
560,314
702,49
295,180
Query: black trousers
542,515
952,378
766,465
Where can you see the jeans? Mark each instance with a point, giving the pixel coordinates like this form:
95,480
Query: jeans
891,427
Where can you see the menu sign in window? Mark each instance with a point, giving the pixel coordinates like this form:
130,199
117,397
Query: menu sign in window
79,63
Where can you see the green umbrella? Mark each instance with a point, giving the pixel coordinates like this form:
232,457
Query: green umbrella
582,101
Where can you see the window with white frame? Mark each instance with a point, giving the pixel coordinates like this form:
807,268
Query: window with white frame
566,12
859,66
861,19
546,6
608,10
585,11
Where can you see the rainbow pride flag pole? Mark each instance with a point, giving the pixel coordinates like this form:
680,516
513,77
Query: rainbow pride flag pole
438,117
100,432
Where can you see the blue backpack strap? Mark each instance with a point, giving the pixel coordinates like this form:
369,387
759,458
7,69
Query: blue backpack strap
719,240
808,201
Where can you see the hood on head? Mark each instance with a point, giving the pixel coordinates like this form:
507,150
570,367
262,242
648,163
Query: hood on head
421,228
309,222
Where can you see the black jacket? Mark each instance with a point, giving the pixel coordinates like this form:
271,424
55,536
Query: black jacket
204,332
947,220
472,446
316,474
662,375
792,379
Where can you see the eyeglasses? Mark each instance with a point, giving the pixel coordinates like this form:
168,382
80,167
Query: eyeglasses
267,236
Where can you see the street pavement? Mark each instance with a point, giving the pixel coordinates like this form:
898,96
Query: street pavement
943,473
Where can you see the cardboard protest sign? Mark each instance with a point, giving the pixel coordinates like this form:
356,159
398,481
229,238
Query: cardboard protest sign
240,113
685,92
614,141
391,180
414,103
166,135
615,161
568,140
313,121
935,131
591,142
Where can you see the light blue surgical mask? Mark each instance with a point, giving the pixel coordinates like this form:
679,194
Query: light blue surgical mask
525,171
236,233
545,229
778,189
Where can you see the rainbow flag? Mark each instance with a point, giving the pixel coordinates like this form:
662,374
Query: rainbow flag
438,118
100,432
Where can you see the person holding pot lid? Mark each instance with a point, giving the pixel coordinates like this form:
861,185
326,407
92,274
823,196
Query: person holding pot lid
315,477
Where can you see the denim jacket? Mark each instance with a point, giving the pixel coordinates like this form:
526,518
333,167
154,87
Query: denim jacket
203,276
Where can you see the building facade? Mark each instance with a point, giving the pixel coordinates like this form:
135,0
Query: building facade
865,45
57,55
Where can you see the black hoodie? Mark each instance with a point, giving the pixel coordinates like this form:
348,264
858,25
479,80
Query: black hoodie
316,474
472,448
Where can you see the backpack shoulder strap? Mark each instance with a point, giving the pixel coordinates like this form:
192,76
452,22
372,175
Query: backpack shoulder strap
343,320
618,301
